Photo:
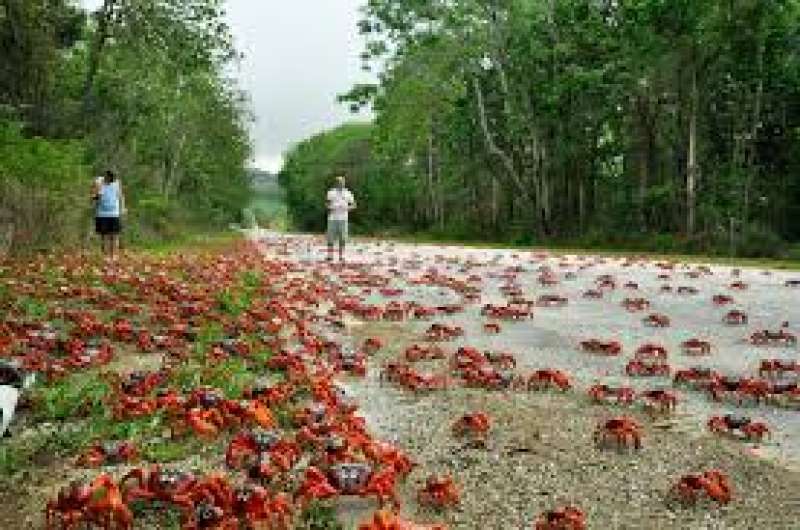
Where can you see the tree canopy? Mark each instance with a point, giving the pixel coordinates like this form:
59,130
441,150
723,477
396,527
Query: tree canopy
139,87
584,120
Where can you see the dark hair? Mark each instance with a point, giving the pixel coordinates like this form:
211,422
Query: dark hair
109,176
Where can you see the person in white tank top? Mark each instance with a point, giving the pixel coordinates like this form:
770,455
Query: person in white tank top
340,203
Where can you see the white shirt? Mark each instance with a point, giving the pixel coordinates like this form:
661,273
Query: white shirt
339,203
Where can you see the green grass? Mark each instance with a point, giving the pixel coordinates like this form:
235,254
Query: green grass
319,516
32,308
792,264
190,240
77,396
63,441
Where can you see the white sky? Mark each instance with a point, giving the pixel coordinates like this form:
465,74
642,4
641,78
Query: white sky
299,54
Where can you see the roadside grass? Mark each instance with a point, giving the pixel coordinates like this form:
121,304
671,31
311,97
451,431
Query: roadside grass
82,395
319,516
60,419
189,242
790,264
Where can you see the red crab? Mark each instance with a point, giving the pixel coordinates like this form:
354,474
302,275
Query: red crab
395,372
348,479
109,453
424,312
504,360
623,430
766,337
425,382
696,347
695,377
722,299
755,389
713,483
548,378
602,393
173,487
99,501
350,361
735,318
657,320
738,286
443,332
647,368
205,422
606,281
417,352
372,345
787,395
593,294
386,454
491,327
777,367
749,429
659,400
476,424
612,347
650,351
257,508
566,518
635,304
552,300
439,491
247,445
133,407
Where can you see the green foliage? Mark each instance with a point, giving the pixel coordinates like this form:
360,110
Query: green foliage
232,376
233,302
32,308
758,241
20,454
167,450
569,121
319,516
133,89
39,189
80,395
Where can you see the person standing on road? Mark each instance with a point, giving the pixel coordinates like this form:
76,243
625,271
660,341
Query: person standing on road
340,202
109,206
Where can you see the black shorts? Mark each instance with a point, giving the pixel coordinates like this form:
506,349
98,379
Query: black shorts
107,226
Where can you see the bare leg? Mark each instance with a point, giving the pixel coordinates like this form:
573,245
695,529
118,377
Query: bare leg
341,252
114,245
330,252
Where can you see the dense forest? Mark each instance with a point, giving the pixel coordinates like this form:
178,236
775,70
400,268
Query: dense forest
140,87
652,124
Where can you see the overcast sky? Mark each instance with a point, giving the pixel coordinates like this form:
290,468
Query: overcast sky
299,54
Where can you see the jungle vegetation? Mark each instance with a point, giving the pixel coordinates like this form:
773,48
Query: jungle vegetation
141,87
664,125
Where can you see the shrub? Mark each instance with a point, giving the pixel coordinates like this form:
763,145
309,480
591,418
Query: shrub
42,200
758,241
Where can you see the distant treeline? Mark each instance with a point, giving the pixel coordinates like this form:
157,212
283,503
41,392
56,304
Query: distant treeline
138,87
642,123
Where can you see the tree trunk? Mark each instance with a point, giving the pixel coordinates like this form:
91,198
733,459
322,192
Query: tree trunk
491,143
691,162
103,30
431,215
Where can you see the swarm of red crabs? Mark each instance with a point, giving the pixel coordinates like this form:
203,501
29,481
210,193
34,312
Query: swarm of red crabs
296,438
